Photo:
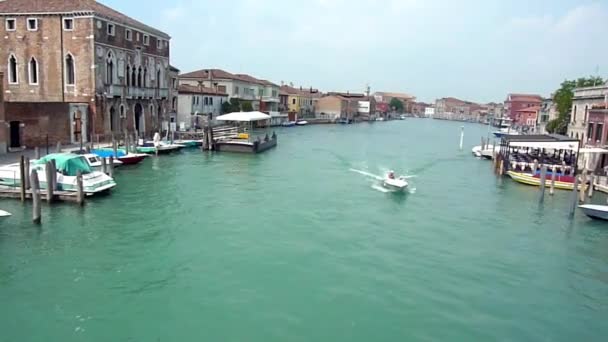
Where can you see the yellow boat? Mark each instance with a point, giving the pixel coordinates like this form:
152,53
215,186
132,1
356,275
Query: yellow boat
528,179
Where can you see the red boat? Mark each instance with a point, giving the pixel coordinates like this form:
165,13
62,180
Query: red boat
132,158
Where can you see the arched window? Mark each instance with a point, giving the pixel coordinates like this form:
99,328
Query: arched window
69,70
33,71
128,75
133,77
13,70
139,77
586,112
174,104
145,77
158,78
110,68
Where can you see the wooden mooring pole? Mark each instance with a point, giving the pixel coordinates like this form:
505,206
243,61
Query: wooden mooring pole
543,182
37,153
111,167
36,212
591,185
104,166
583,191
58,147
22,176
49,182
79,188
552,190
574,199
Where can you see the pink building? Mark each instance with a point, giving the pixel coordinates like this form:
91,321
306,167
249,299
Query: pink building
517,102
526,116
597,127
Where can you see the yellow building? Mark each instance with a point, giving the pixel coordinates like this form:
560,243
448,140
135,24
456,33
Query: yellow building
300,101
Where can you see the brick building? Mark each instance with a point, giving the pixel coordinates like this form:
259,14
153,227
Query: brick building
516,102
3,123
78,68
450,108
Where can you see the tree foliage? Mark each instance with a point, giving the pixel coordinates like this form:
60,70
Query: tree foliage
396,105
563,101
246,106
226,107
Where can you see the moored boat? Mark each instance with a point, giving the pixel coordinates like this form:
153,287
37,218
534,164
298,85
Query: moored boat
4,213
561,182
288,124
96,162
121,155
68,165
598,212
189,143
302,123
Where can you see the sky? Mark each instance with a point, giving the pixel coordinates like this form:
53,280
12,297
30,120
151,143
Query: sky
470,49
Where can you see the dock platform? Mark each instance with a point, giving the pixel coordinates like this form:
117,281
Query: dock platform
58,196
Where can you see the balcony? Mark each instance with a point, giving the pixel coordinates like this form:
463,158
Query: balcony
113,90
270,99
147,93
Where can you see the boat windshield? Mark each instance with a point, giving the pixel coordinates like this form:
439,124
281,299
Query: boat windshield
68,164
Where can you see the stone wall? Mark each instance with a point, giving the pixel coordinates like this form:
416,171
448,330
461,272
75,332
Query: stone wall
39,120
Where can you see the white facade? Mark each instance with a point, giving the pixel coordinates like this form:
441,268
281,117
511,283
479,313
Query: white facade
429,111
189,106
583,101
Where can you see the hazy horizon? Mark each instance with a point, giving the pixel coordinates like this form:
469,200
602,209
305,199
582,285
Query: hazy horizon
430,49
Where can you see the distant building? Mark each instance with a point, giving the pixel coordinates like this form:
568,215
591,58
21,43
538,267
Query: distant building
383,100
77,69
300,101
429,112
584,99
548,112
527,117
450,108
336,107
597,129
419,108
516,102
197,105
263,95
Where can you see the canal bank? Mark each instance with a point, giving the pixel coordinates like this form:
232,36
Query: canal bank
292,245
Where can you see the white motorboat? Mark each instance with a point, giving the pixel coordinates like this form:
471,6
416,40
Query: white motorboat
598,212
4,213
302,123
393,183
477,151
96,162
380,119
68,166
489,152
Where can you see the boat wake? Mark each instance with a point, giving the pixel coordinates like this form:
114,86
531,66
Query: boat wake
378,187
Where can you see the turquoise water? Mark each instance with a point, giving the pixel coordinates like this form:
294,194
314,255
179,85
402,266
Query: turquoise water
293,246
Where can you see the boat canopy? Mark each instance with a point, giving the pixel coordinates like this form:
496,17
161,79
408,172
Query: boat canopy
593,150
68,164
244,117
547,141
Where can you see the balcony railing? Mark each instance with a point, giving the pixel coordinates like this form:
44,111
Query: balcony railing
114,90
147,93
270,99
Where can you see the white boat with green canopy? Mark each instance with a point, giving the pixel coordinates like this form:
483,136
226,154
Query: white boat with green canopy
68,166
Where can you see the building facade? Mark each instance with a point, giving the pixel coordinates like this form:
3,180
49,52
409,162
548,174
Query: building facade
548,112
300,101
3,124
76,69
196,105
584,99
450,108
335,106
526,118
516,102
383,100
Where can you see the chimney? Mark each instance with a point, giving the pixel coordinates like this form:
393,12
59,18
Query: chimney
300,88
282,83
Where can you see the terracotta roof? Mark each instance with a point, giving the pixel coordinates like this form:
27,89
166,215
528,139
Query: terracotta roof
525,98
529,109
268,83
71,6
249,78
288,90
188,89
210,74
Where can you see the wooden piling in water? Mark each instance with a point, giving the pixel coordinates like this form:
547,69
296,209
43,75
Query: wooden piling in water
461,138
54,175
36,212
22,176
591,185
583,184
27,173
111,167
543,182
79,188
104,166
553,172
574,198
49,182
37,153
115,148
58,147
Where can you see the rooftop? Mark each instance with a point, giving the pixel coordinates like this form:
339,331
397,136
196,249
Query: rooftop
188,89
23,7
397,95
525,97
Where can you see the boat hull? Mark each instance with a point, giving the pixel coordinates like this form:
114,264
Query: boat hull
598,212
528,179
132,159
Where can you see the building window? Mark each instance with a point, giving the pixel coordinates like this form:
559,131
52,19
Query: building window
68,24
70,70
32,24
11,24
139,77
145,77
211,101
599,129
111,30
159,44
13,70
128,75
110,68
137,36
33,71
193,100
293,101
236,90
129,35
133,77
586,112
146,40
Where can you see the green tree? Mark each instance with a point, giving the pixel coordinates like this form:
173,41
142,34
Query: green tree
246,106
226,107
235,105
396,105
563,102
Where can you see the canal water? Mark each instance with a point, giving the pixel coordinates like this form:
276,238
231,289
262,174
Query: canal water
294,245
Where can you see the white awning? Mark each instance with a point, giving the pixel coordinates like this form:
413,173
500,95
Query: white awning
244,117
593,150
553,145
